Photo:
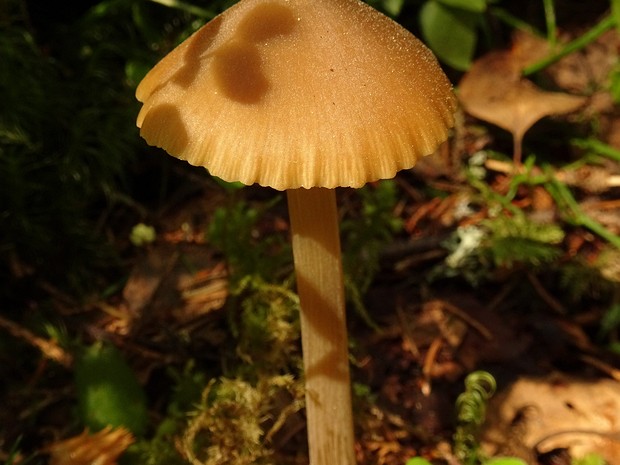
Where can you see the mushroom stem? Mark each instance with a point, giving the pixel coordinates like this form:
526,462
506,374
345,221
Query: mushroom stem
318,268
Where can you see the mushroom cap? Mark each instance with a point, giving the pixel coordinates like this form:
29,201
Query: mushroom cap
298,93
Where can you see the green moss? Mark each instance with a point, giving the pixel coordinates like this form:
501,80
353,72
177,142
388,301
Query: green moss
108,391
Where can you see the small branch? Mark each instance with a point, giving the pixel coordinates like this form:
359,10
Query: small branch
555,305
407,332
187,7
484,332
612,371
50,349
429,361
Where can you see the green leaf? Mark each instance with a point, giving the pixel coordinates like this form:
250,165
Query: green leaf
615,12
614,83
478,6
135,70
505,461
393,7
108,391
450,32
229,186
596,146
417,461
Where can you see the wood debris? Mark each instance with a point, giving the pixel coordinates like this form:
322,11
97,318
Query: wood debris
101,448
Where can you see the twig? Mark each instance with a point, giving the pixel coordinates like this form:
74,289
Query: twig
501,296
484,332
420,213
612,371
50,349
429,361
603,205
187,7
406,330
554,303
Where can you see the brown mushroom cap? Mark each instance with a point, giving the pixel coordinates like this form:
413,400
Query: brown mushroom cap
298,93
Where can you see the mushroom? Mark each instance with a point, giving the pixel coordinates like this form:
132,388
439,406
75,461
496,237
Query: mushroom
303,96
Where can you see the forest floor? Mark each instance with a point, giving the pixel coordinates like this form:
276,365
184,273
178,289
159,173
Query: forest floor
542,321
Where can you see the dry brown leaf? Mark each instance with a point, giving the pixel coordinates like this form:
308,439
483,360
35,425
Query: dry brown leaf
556,411
494,91
147,276
527,49
102,448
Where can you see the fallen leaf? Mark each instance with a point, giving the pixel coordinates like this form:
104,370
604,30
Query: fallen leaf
147,276
527,49
101,448
494,91
553,412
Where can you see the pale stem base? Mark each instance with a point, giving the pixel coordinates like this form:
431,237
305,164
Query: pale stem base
318,268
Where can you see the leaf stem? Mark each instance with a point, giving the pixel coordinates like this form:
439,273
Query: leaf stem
580,42
598,147
567,202
550,22
513,21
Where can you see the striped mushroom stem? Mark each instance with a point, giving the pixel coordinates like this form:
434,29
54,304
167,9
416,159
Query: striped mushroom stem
318,270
